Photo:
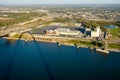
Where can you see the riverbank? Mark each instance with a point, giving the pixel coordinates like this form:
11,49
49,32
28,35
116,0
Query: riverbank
68,43
85,46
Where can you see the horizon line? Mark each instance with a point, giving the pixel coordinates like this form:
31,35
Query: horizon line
66,4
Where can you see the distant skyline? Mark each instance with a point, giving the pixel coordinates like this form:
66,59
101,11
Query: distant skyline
28,2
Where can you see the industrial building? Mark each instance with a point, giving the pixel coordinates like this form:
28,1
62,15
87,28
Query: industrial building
96,32
93,33
62,31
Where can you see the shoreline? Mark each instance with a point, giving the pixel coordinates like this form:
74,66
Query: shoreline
83,46
66,44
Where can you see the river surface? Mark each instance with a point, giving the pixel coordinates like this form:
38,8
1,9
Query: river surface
21,60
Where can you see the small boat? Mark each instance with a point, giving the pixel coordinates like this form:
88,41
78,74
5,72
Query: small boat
26,40
78,46
102,51
59,44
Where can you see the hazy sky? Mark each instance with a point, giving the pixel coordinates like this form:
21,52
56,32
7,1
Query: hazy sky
59,1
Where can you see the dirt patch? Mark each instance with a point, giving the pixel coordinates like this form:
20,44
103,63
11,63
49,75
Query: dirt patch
1,18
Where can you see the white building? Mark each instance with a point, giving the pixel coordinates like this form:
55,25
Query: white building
96,33
63,31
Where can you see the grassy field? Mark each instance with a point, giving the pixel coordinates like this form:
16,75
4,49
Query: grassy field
86,43
116,46
115,32
115,38
16,18
16,36
94,44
